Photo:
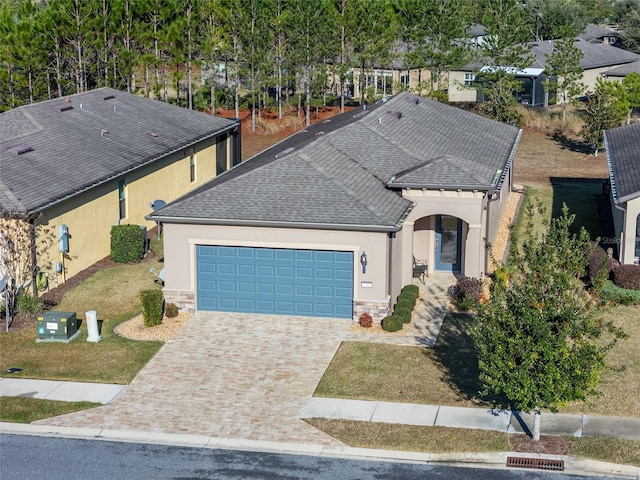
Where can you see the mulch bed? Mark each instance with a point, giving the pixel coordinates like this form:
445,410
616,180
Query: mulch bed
548,444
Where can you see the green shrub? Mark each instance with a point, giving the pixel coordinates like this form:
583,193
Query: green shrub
627,276
404,302
612,293
171,310
412,289
392,323
152,303
409,296
403,313
127,243
28,304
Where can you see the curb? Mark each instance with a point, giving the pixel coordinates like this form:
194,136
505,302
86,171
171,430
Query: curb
497,460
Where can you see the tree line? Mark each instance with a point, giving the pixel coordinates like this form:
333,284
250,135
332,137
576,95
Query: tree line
271,51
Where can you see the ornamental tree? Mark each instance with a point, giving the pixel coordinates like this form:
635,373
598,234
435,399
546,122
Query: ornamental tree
540,339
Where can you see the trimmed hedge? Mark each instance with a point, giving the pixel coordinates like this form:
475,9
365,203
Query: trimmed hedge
404,302
627,276
412,289
612,293
152,303
404,313
600,266
127,243
392,323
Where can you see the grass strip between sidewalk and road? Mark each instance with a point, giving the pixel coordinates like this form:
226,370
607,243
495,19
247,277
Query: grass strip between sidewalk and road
27,410
459,440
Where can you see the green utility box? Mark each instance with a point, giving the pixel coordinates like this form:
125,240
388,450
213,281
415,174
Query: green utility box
57,325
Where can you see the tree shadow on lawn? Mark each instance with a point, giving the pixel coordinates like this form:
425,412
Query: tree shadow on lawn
457,356
571,144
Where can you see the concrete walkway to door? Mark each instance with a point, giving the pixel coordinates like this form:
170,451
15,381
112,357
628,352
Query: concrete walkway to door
240,376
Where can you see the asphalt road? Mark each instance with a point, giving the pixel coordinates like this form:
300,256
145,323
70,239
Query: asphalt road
32,457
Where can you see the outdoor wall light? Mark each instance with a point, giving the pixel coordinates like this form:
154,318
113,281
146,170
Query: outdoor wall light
363,262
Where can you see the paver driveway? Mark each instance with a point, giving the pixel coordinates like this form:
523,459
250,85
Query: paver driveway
228,376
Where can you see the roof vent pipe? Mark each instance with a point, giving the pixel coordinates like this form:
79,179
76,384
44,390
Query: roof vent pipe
115,108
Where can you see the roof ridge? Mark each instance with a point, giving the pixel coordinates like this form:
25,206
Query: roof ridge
341,185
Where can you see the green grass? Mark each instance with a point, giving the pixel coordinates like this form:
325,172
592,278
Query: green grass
411,437
459,440
579,196
113,294
613,450
448,373
27,410
444,375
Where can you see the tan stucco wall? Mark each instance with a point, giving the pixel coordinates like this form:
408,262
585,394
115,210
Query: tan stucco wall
458,92
625,225
181,241
467,206
91,215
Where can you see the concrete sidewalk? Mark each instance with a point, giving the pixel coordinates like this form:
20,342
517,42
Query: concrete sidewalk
474,418
59,390
370,411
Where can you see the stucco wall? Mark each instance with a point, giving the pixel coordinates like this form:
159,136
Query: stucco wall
91,215
467,206
627,247
457,90
181,241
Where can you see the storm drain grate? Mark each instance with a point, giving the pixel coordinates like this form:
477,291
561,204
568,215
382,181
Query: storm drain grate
540,463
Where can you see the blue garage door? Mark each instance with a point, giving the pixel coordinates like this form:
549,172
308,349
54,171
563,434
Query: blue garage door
273,280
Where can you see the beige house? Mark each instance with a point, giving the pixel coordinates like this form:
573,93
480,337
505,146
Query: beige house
623,156
333,221
79,165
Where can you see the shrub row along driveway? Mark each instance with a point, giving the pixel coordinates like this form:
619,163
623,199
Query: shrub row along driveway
227,376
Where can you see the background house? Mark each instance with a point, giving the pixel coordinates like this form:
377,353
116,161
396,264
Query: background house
79,165
623,155
329,222
598,60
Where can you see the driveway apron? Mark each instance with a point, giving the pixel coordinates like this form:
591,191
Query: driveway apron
226,375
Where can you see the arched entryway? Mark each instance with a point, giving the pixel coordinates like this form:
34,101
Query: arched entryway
439,241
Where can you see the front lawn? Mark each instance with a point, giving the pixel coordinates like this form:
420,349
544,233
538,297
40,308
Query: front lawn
113,294
448,374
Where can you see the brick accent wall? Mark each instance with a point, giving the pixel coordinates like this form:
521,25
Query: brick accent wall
185,301
377,309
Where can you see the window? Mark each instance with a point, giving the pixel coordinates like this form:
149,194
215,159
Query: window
469,78
405,79
122,199
192,166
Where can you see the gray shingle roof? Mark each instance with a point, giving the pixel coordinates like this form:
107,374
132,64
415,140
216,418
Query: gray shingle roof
98,139
337,175
624,70
595,55
623,155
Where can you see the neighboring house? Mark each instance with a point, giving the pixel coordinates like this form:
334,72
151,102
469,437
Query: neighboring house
597,61
97,159
618,74
331,221
623,156
597,34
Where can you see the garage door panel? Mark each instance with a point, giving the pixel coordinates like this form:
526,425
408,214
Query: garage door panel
280,281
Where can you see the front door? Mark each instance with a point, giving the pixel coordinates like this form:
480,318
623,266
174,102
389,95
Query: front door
448,243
